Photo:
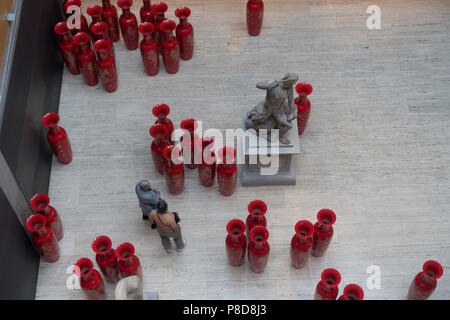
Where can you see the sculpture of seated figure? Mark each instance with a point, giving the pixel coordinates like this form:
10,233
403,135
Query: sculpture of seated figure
278,110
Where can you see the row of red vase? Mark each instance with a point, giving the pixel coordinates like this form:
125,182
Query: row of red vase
170,160
113,264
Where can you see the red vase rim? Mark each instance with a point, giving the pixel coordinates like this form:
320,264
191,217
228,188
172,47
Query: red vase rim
303,89
255,204
81,264
61,28
125,4
226,154
146,28
101,242
182,12
353,292
69,3
160,7
81,38
233,224
39,202
160,110
94,10
36,222
100,28
190,125
167,25
261,231
158,131
332,274
326,217
304,229
433,269
50,120
124,248
102,45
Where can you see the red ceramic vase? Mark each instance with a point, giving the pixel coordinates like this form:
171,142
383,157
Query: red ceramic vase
303,105
129,264
185,33
352,292
188,142
68,48
258,249
255,14
257,210
236,242
128,25
43,237
106,65
100,29
207,167
84,27
146,12
226,171
425,282
106,258
159,133
90,279
86,59
161,111
57,138
169,46
323,232
95,12
149,49
159,8
327,288
109,15
41,204
301,243
174,170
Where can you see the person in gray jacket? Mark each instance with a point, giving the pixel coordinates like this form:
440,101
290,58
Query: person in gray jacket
148,197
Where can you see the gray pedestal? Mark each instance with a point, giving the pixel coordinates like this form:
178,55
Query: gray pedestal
255,147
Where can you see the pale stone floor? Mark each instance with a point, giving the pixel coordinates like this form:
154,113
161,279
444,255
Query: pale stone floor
376,149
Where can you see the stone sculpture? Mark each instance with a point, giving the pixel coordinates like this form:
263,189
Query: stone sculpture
278,110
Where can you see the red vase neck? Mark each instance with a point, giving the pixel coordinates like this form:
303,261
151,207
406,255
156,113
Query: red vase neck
184,21
147,5
106,4
148,38
55,130
302,239
129,262
324,228
426,279
126,12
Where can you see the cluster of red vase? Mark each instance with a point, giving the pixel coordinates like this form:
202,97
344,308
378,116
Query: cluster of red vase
113,264
46,227
328,287
194,152
159,38
258,246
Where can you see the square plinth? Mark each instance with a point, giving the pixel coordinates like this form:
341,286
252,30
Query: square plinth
261,155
